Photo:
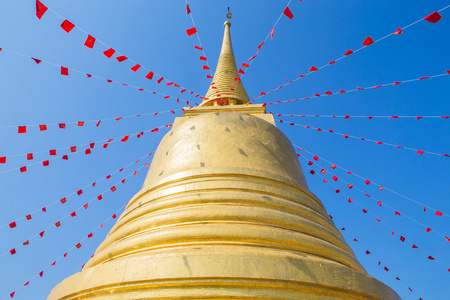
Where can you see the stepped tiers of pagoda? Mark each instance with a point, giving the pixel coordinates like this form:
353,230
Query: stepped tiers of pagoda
224,213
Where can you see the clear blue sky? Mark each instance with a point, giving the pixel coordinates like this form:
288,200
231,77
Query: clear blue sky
153,34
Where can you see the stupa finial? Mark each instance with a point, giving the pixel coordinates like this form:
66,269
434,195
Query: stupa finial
226,87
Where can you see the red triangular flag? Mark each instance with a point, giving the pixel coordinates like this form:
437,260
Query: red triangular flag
40,11
287,12
67,26
135,68
64,71
188,10
38,61
348,52
90,41
108,53
399,31
313,69
121,58
368,41
271,33
433,18
191,31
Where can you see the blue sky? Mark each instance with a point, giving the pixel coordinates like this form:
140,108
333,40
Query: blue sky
153,34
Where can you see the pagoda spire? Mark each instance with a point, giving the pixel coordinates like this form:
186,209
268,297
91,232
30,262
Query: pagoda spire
226,87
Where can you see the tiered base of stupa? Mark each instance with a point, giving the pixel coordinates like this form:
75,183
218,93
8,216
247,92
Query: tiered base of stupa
224,213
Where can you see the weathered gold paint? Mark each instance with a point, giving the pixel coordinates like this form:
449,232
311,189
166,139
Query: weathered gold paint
224,213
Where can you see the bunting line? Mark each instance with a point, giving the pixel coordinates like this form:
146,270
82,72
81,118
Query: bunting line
346,136
73,150
385,268
113,188
90,41
287,12
65,72
379,203
64,199
44,127
368,117
432,18
394,232
77,246
188,12
380,187
329,93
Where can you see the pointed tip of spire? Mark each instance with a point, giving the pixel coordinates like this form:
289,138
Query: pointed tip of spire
227,88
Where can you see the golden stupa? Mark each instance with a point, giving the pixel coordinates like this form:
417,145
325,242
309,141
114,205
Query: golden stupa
224,213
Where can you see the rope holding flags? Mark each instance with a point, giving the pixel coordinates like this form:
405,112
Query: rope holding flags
286,12
365,211
65,72
380,187
79,192
329,93
346,136
432,18
193,31
88,150
73,214
379,203
90,41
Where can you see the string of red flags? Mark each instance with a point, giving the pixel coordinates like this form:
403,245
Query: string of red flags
67,252
75,149
379,202
79,124
66,198
358,89
91,41
365,117
286,12
432,18
192,31
65,72
346,136
395,232
58,224
385,268
426,208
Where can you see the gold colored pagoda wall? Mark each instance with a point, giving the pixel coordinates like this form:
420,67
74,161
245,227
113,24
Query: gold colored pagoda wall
224,213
